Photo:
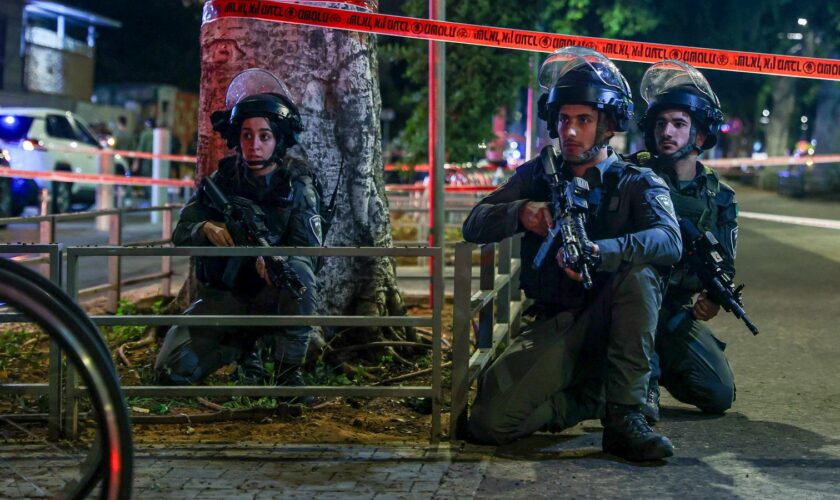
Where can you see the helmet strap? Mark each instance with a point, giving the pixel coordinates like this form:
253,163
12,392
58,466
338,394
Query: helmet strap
601,141
690,147
261,163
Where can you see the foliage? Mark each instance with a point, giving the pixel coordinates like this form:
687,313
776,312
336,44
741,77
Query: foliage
121,334
324,374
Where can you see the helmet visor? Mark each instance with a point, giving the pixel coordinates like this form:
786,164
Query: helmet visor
251,82
666,75
568,59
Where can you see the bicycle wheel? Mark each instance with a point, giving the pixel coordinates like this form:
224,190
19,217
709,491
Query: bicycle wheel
109,458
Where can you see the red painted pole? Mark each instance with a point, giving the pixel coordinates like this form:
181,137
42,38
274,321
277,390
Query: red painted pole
437,99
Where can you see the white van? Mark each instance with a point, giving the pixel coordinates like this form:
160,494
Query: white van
49,139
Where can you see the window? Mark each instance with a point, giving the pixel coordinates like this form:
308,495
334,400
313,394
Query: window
59,127
84,134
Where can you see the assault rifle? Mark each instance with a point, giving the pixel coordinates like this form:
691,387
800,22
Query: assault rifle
704,258
570,209
245,221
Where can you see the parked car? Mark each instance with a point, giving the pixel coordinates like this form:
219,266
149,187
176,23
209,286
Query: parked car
49,140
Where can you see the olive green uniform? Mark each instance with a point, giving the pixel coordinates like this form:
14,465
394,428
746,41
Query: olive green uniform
691,360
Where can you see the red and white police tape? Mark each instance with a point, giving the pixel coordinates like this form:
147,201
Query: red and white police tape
714,163
444,31
62,176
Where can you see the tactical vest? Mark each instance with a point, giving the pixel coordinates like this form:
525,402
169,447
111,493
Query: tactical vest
701,207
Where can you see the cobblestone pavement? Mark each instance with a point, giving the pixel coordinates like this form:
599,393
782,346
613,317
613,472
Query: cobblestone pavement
725,457
256,470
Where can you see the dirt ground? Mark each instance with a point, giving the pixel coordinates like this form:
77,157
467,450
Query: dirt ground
358,420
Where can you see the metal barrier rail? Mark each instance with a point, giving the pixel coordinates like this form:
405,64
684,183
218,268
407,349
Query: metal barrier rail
73,254
52,388
499,305
116,220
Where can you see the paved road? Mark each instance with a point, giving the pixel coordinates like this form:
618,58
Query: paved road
780,440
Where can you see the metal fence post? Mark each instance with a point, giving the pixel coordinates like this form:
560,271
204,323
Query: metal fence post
487,279
115,262
437,332
55,374
71,403
503,297
46,230
104,192
515,291
461,340
166,261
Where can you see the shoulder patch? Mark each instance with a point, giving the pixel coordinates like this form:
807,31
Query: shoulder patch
734,236
643,157
664,201
315,227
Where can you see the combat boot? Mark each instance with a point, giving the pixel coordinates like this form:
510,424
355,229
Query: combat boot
290,375
651,408
628,435
249,370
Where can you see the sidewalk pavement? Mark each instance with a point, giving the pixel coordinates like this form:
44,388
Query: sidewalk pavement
256,470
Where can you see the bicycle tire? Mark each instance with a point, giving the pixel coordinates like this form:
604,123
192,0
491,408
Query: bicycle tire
110,460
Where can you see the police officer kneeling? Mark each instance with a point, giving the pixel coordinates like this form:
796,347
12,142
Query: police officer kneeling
591,347
682,119
269,168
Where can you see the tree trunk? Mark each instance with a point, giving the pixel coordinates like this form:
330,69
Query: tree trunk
778,130
333,77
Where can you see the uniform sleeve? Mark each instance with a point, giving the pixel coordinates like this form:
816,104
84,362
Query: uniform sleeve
187,231
496,216
728,231
304,228
658,242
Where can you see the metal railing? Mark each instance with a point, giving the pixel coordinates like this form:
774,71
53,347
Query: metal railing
433,391
47,226
498,304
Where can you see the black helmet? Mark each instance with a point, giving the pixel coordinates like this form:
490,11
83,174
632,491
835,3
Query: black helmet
672,84
256,93
578,75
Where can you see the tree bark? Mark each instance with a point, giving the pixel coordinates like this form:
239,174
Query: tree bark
333,77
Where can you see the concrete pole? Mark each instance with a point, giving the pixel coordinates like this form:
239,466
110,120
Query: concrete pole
160,170
105,192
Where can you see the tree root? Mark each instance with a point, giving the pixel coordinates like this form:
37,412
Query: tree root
352,371
123,357
147,340
371,345
399,358
210,404
407,376
34,340
428,335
